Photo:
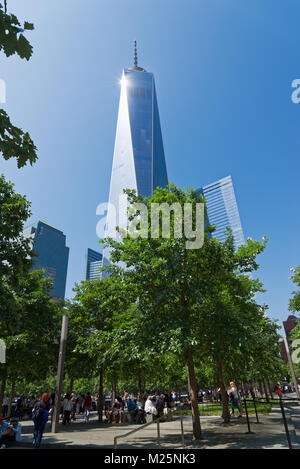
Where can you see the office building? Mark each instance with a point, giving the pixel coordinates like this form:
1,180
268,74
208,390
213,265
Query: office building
222,210
51,254
93,264
139,159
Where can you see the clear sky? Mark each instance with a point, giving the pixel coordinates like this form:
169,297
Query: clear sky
223,71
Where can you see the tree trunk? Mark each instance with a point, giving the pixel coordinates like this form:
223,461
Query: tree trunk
261,389
100,398
71,385
194,397
113,392
270,389
11,397
3,386
266,392
140,386
226,414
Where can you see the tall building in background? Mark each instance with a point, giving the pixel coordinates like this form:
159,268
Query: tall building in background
139,159
222,210
93,264
288,325
51,254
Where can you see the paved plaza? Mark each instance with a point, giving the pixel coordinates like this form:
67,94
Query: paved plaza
269,434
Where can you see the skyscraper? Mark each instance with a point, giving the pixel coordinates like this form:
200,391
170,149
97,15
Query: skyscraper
52,254
222,210
139,160
289,324
93,264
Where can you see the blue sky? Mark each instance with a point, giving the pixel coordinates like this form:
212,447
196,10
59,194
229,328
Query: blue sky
223,71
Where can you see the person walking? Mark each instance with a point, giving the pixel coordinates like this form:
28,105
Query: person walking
87,407
67,408
44,403
40,418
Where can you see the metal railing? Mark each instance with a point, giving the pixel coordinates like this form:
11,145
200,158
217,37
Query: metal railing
272,402
248,403
157,421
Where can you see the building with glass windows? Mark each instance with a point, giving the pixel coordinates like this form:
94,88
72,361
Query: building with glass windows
50,253
222,210
139,159
93,264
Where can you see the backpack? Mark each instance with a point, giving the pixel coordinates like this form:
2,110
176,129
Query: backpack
38,416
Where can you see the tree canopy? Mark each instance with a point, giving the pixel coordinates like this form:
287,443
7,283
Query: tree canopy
14,142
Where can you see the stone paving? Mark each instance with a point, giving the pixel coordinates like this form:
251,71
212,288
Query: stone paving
268,434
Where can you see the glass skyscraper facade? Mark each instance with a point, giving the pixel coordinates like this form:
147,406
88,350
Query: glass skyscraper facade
222,210
51,254
93,264
139,159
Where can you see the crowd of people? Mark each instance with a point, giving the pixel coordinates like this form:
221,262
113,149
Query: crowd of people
39,410
137,407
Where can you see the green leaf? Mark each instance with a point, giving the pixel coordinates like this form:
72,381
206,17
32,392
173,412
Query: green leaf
28,26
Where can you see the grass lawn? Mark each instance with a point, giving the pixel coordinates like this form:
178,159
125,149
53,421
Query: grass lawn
216,409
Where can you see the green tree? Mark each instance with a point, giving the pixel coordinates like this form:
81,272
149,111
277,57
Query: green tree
175,285
14,142
29,328
294,304
14,248
93,315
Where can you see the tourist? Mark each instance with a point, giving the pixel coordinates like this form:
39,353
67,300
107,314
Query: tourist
168,399
16,428
87,403
13,408
67,408
30,405
278,389
160,405
40,418
140,414
5,403
234,398
131,405
78,404
118,410
44,403
73,411
150,405
140,398
19,407
7,438
110,413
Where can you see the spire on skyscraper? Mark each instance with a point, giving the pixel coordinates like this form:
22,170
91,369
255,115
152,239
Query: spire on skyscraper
135,60
135,55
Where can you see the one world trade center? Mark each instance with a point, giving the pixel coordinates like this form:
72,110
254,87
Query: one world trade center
139,159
